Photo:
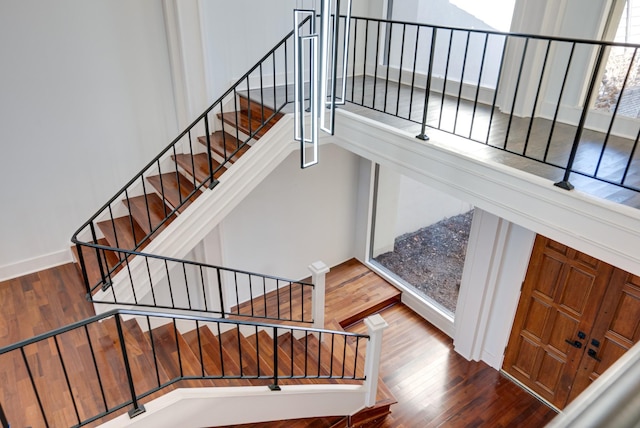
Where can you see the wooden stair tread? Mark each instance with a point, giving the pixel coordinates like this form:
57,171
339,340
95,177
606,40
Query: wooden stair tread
258,110
364,294
109,260
175,188
198,165
224,144
174,354
245,355
149,211
123,232
248,125
214,358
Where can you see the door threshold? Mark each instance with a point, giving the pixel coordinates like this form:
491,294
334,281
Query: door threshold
529,390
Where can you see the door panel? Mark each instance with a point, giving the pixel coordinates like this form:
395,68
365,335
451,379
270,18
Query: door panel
616,329
554,317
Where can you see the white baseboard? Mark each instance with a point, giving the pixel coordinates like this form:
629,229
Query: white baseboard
35,264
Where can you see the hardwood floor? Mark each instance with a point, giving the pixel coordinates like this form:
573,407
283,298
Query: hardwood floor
433,385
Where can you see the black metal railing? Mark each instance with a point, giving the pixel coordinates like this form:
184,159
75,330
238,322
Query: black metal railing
528,95
178,174
117,361
3,419
169,283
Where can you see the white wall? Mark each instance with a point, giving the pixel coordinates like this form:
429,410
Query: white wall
295,217
238,33
86,102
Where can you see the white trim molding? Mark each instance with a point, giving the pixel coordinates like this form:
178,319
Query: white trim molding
35,264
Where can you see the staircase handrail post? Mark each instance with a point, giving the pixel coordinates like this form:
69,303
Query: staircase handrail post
375,326
137,408
274,386
319,272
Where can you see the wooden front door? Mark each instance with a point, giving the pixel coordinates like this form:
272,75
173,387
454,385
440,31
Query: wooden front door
554,317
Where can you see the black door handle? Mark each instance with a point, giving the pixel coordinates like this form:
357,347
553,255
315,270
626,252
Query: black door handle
593,354
574,343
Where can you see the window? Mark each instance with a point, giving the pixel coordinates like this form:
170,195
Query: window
623,65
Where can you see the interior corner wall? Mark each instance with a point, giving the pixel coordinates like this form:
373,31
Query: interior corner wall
86,103
296,217
237,34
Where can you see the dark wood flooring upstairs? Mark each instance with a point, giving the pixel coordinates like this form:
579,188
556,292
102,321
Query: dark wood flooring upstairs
433,385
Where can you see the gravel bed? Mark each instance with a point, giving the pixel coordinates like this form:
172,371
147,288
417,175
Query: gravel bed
431,259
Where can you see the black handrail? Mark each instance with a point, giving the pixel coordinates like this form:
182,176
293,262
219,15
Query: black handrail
111,358
465,91
284,291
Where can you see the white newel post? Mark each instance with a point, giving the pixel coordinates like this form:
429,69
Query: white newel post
318,273
375,326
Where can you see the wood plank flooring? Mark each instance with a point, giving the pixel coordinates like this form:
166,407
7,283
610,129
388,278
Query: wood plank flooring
432,384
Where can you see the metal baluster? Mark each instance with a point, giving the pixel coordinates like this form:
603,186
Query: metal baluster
175,334
475,101
274,386
464,66
66,378
251,294
186,284
404,30
446,77
137,408
200,347
388,55
220,351
413,72
495,92
535,102
166,268
558,104
515,92
204,291
153,350
353,55
564,183
375,70
35,389
3,419
364,62
239,350
422,135
153,293
95,366
223,310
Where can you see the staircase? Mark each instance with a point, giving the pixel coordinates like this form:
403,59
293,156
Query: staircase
134,221
129,357
166,352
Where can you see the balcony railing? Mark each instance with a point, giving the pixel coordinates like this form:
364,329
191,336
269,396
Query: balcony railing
529,95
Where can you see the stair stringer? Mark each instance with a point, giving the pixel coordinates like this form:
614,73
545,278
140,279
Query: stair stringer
202,216
221,406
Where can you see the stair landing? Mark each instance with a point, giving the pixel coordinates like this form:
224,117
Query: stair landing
353,292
